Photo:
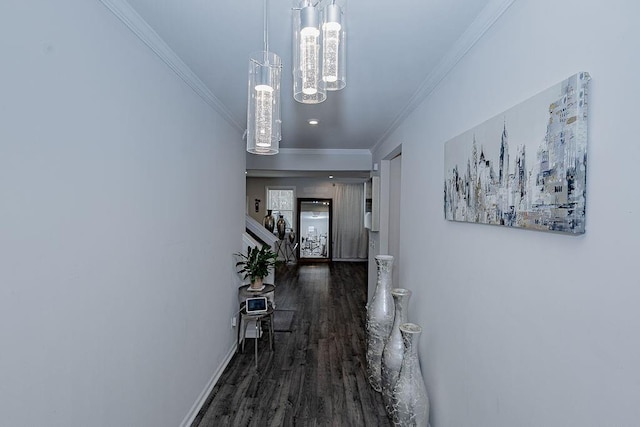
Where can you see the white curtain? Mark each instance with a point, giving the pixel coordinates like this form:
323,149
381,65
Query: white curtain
349,235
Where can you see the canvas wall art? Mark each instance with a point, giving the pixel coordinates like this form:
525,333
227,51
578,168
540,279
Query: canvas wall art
525,167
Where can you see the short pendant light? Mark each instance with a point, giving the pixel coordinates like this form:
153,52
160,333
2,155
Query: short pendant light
334,46
308,85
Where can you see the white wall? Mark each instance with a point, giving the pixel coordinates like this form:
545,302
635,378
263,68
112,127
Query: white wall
115,295
524,328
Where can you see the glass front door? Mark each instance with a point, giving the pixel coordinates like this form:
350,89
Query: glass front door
314,225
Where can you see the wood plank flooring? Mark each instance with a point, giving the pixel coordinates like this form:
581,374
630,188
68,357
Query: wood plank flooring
317,373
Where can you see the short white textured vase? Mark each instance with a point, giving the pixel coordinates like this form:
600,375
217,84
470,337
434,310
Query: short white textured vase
380,313
409,398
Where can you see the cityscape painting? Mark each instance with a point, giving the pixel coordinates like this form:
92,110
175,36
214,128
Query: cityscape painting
526,167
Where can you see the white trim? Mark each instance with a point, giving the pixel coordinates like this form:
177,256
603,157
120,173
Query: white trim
336,151
469,38
129,17
202,398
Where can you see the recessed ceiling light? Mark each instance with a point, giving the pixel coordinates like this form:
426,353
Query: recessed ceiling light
330,176
313,122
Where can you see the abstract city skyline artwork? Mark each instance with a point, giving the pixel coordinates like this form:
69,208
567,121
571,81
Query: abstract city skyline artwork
526,167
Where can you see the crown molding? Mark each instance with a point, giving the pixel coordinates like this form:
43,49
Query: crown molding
327,151
129,17
469,38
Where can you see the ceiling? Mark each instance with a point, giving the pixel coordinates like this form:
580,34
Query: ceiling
393,48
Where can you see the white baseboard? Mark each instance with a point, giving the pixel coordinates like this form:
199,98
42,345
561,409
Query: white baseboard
193,412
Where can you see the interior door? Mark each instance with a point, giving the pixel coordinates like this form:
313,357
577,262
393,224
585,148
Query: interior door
314,228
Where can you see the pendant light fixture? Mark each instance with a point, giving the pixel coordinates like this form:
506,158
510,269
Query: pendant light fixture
263,112
308,85
334,46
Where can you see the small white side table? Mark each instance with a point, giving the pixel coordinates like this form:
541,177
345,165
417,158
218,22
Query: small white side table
257,319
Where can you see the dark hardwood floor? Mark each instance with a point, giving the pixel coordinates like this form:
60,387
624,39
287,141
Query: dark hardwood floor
317,373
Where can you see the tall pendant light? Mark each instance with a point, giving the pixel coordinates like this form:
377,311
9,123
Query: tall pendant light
263,112
334,46
308,85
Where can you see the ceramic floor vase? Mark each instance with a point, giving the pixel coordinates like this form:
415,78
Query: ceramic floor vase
409,399
380,313
269,221
281,225
393,352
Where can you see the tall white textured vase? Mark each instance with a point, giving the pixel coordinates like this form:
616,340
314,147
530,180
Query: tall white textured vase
393,352
380,312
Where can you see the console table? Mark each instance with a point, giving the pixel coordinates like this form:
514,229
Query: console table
287,249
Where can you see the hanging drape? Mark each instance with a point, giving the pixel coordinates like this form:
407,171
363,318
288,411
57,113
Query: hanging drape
349,235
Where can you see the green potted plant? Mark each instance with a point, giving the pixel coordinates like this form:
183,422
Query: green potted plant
256,263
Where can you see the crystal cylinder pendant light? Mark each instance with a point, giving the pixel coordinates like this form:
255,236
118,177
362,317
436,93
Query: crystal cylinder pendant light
263,114
308,85
263,110
334,46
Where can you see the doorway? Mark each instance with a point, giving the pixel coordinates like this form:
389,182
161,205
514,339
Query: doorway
395,186
314,228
